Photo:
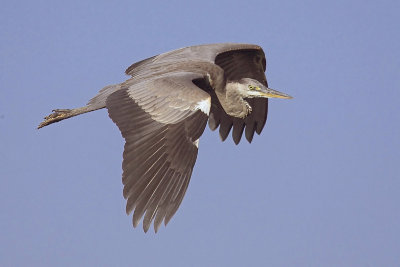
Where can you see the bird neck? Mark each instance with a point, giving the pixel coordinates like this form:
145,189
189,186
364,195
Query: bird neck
232,101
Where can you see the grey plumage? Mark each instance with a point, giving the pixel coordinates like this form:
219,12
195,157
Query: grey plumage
162,111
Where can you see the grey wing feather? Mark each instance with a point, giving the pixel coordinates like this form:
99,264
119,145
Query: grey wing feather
207,52
99,101
159,152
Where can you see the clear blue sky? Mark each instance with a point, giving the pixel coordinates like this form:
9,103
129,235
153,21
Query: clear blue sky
319,187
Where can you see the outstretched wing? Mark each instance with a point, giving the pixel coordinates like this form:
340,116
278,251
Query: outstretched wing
205,52
161,121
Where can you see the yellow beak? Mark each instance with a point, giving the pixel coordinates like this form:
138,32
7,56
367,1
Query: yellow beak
271,93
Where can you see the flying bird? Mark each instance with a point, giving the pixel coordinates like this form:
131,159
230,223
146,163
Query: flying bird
162,110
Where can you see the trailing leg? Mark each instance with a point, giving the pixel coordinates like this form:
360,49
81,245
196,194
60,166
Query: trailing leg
62,114
97,102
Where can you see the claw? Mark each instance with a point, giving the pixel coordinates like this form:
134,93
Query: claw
57,115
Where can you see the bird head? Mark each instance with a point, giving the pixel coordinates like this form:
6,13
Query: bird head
250,88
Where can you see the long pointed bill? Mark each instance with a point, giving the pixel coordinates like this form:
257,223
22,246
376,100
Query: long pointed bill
271,93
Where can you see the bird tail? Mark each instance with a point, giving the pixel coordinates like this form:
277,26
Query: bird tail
97,102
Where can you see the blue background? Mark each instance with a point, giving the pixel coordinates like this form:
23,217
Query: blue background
319,187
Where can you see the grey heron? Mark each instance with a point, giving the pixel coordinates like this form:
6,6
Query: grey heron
162,110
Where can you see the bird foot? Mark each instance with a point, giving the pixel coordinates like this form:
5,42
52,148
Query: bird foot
249,108
57,115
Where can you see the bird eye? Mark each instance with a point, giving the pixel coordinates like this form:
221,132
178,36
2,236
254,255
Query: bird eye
251,87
